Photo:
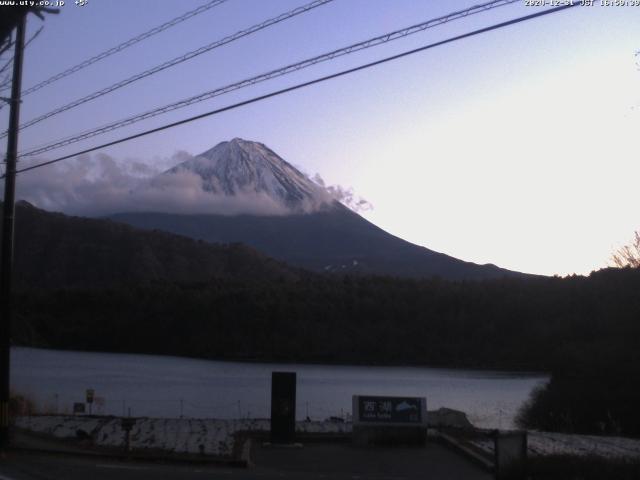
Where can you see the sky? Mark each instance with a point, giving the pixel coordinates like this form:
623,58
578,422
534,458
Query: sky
517,147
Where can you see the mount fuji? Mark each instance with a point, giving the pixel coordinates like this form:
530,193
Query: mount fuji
239,167
312,229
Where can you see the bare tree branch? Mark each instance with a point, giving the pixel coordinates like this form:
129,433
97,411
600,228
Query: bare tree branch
629,255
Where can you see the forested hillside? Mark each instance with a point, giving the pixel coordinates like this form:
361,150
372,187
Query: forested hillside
569,325
53,250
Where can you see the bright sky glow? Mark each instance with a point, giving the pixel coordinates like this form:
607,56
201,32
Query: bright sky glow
517,147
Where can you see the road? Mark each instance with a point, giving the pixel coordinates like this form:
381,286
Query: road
326,461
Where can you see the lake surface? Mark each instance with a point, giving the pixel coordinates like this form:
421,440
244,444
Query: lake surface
159,386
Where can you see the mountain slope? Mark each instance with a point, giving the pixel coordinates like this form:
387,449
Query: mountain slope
315,232
56,250
334,239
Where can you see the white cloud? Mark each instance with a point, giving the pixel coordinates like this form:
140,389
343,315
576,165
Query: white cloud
100,185
96,185
346,196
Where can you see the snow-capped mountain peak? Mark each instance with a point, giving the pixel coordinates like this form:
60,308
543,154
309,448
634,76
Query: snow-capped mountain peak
237,167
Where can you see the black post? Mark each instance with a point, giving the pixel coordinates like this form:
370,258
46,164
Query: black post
6,256
283,407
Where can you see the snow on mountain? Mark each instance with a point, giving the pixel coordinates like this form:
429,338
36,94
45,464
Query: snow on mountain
241,167
240,177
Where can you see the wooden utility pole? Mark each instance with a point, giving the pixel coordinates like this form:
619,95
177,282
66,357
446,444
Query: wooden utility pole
6,253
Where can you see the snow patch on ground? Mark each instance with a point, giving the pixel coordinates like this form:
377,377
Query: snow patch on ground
194,436
217,437
547,443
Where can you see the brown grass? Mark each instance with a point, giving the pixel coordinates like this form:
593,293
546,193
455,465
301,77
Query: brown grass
20,404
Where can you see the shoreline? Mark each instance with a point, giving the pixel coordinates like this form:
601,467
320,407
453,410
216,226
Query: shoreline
485,369
218,439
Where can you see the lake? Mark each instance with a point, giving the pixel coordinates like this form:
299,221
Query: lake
160,386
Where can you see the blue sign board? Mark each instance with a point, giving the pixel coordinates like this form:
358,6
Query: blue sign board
389,410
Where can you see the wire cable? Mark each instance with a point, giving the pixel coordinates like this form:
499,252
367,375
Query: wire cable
10,61
372,42
124,45
176,61
6,46
306,84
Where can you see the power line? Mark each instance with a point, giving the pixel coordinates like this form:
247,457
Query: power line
10,61
6,46
33,37
372,42
124,45
305,84
176,61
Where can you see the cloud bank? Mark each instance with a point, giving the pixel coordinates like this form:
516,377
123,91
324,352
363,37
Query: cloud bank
98,185
346,196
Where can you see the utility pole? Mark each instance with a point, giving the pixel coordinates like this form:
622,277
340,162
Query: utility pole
6,254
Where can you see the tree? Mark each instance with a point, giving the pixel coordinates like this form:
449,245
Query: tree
629,255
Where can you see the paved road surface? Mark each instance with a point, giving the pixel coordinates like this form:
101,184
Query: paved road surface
344,461
324,461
